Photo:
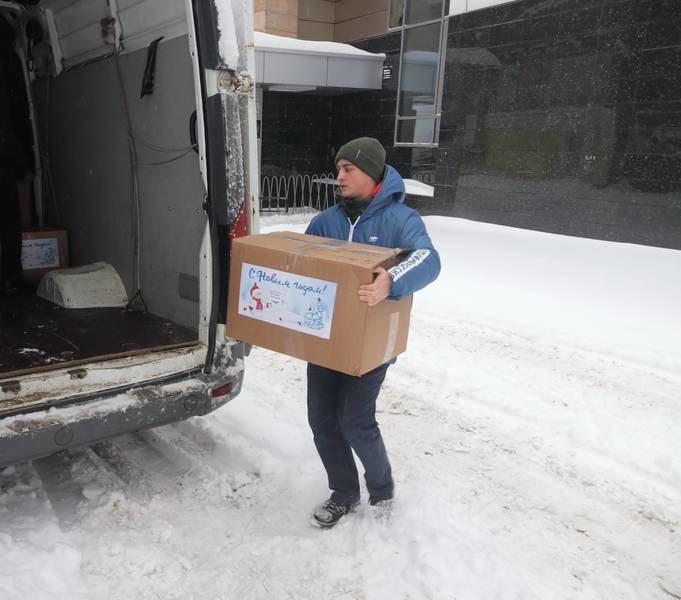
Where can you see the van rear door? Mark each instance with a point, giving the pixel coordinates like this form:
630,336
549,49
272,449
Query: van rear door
221,41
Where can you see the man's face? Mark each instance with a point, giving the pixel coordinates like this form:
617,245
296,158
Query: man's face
353,182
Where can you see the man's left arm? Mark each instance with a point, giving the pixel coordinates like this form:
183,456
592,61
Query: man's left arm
422,264
416,271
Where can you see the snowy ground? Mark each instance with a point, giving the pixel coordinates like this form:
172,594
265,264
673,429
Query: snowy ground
533,426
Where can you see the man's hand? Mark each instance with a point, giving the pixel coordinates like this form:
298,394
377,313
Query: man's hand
378,290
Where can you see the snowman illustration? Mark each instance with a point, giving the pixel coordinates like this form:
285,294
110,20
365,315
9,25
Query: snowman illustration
256,295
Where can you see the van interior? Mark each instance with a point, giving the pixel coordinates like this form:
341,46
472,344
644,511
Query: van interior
99,167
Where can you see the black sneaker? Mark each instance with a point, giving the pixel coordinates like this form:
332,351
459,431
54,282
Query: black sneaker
328,514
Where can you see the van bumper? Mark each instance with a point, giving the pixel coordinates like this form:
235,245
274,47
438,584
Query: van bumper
34,435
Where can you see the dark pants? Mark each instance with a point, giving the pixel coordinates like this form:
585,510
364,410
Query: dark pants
341,410
10,229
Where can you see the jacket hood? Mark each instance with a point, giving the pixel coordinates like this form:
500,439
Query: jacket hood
391,191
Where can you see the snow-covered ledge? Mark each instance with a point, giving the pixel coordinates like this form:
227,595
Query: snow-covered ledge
418,188
303,64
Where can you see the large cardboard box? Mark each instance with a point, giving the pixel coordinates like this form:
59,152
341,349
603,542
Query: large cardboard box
297,294
43,250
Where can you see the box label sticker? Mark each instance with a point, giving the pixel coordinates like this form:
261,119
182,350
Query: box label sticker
286,299
41,253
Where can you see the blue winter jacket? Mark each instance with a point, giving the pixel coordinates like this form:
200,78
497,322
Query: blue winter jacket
389,223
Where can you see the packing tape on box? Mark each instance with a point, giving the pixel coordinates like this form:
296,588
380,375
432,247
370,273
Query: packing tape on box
328,242
392,336
331,243
306,249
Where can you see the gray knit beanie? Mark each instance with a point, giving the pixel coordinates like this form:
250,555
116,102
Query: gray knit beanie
365,153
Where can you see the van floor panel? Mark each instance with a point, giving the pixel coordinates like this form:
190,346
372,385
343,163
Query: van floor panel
36,334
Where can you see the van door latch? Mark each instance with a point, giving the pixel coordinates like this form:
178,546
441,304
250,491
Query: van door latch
240,83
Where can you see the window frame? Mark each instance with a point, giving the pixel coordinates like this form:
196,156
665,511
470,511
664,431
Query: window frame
443,20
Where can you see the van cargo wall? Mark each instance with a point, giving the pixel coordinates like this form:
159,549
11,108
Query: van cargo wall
82,124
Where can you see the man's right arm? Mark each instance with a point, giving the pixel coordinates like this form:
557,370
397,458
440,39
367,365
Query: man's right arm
313,227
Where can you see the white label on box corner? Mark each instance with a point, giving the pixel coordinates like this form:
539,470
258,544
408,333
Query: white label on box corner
40,253
288,300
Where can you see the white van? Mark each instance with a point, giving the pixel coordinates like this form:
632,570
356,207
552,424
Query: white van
142,115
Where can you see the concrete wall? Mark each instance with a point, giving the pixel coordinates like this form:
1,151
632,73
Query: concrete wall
357,19
340,20
278,17
316,19
85,132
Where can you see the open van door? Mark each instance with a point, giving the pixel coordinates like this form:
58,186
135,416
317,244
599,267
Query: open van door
221,41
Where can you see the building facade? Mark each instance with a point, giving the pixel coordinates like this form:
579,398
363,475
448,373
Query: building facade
555,115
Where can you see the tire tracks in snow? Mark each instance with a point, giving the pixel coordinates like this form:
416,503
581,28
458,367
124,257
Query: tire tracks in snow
535,388
137,509
31,535
158,510
522,469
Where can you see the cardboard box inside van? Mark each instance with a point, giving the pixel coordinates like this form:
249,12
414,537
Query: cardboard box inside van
43,250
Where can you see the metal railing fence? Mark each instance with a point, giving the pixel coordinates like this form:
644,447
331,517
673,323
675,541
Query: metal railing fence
300,193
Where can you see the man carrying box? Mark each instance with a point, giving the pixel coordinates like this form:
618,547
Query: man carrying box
342,408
